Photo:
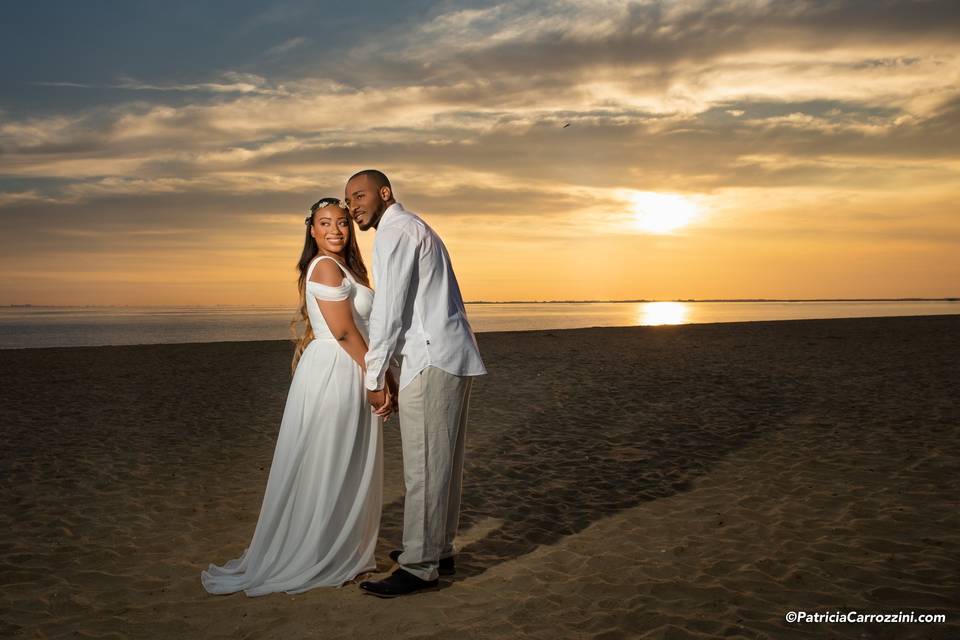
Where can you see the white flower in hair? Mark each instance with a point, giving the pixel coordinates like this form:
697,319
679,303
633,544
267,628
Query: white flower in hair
339,203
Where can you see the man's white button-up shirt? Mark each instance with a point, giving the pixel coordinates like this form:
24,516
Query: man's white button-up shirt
418,312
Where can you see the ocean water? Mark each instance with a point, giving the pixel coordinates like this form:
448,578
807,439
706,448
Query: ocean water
28,327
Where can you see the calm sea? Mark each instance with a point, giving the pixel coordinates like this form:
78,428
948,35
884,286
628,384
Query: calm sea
25,327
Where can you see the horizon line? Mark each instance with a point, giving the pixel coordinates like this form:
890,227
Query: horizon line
908,299
625,301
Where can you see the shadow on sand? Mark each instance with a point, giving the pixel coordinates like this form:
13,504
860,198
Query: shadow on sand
558,441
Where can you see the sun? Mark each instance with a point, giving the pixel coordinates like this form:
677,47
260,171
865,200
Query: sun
662,213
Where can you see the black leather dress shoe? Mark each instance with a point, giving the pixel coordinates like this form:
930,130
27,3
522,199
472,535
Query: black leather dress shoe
400,583
447,567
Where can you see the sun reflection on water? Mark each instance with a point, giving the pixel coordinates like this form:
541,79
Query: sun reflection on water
654,313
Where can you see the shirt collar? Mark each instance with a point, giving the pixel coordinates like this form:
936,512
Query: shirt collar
389,211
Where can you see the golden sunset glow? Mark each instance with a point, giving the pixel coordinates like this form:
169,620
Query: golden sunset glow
662,212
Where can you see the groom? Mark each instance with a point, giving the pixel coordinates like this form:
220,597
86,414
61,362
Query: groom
418,314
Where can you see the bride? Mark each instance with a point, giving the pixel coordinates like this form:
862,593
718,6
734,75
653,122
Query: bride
320,516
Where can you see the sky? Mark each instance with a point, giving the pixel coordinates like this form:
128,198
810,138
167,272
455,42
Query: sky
166,153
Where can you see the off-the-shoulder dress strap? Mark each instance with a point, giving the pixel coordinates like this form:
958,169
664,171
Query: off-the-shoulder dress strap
316,261
327,292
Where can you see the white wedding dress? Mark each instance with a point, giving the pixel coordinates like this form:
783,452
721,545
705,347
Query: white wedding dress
320,516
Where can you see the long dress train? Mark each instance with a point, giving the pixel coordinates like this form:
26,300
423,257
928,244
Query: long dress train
320,515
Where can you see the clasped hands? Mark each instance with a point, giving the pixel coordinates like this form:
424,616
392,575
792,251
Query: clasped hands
384,401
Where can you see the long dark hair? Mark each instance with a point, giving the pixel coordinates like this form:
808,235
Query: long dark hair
351,257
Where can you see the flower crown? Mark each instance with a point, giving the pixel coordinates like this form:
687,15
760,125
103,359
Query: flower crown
319,205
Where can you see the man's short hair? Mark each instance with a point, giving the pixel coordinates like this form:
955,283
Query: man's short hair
379,178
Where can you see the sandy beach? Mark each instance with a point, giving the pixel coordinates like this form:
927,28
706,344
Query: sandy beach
694,481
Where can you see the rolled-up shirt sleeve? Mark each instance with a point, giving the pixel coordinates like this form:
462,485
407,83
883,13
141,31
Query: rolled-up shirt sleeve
394,261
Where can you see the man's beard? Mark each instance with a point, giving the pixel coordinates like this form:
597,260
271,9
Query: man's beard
374,218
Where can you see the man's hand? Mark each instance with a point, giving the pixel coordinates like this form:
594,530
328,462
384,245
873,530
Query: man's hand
393,392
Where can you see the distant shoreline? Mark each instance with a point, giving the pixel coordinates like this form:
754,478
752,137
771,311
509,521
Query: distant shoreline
638,300
716,300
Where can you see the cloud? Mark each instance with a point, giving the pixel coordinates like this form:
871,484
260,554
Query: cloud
11,198
238,145
285,47
232,82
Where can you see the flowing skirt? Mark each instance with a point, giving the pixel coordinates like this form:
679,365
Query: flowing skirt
320,516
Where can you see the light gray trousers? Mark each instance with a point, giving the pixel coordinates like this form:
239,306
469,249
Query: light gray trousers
433,427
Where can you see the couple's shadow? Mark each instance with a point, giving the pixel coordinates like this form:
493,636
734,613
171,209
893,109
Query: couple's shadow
589,450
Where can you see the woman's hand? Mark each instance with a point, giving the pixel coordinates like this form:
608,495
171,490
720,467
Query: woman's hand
381,402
